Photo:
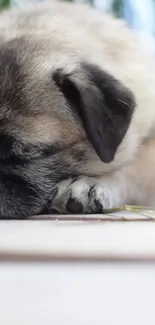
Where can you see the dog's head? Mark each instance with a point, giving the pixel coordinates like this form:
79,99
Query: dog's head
51,115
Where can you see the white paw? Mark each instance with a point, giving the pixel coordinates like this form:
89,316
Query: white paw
81,195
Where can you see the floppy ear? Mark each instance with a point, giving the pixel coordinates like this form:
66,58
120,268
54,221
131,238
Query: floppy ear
104,105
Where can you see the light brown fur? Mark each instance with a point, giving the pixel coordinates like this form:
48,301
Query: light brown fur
59,36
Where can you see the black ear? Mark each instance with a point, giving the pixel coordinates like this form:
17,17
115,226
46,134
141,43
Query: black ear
104,105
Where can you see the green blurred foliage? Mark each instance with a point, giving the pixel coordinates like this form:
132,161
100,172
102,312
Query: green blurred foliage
117,7
4,4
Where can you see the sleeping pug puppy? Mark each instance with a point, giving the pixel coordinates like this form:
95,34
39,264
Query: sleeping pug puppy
77,113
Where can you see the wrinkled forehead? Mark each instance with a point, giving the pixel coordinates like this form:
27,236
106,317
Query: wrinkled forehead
19,103
11,82
26,66
22,84
29,102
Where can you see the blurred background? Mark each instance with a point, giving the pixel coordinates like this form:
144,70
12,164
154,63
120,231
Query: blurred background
139,14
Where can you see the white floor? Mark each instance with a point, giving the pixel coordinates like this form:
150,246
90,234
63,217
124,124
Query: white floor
64,239
77,294
121,291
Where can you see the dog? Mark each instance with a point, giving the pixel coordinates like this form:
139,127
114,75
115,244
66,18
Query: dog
77,112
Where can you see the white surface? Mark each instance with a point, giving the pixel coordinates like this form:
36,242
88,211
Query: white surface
78,238
77,295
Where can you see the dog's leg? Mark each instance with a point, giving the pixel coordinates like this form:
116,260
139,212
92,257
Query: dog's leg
133,184
89,195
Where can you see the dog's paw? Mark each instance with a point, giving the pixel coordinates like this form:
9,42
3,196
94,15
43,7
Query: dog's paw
81,196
